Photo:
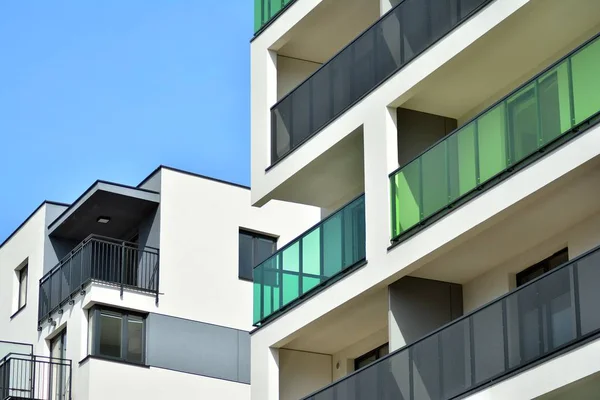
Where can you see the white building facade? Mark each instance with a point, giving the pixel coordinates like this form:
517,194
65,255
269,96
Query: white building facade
453,149
137,292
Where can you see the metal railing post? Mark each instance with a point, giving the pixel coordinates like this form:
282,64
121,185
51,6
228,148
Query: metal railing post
122,266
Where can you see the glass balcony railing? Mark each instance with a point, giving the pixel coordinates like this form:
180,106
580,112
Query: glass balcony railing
379,52
553,312
102,259
266,10
320,254
521,124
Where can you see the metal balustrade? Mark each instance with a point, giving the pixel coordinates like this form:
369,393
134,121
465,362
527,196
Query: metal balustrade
101,259
521,125
26,376
319,255
555,312
396,39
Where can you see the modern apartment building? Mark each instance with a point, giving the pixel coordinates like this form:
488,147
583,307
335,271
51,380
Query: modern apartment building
137,292
453,147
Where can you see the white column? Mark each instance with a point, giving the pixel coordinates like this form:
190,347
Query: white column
263,85
265,372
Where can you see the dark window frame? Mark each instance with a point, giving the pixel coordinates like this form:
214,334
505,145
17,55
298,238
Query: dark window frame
375,352
23,285
255,236
94,318
542,267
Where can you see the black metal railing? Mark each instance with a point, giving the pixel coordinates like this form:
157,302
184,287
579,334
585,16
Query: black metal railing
552,313
25,376
101,259
378,53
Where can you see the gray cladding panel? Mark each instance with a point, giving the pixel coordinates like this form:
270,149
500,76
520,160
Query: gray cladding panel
198,348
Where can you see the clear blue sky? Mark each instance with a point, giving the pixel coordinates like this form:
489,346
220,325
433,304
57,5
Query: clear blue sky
110,89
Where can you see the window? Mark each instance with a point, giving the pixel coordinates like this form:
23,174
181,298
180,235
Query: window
254,248
371,356
117,334
555,260
22,273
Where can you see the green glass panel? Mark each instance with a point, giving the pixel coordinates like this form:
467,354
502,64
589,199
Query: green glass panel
461,162
311,253
491,136
257,300
332,245
267,300
308,283
290,288
291,258
257,15
523,121
435,179
555,105
585,66
407,204
276,300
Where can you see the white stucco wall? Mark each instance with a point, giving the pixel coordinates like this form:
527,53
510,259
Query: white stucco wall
200,222
291,72
132,382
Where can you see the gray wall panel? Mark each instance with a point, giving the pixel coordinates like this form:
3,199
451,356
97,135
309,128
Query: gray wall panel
198,348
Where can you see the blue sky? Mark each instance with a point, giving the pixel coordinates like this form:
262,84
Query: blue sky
110,89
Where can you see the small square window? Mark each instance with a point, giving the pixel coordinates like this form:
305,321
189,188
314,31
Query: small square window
117,334
254,248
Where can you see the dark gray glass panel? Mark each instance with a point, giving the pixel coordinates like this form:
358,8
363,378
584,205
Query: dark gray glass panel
588,274
488,342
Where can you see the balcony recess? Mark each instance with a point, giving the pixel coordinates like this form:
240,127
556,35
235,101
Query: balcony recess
539,320
393,41
537,116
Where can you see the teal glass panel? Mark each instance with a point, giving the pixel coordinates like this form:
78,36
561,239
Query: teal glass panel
311,253
276,6
291,288
462,162
434,166
585,65
332,245
339,241
523,122
256,315
309,283
291,258
407,204
491,138
354,238
257,14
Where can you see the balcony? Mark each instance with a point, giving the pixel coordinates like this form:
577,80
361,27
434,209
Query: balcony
101,259
266,10
313,260
537,117
548,315
26,376
378,53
